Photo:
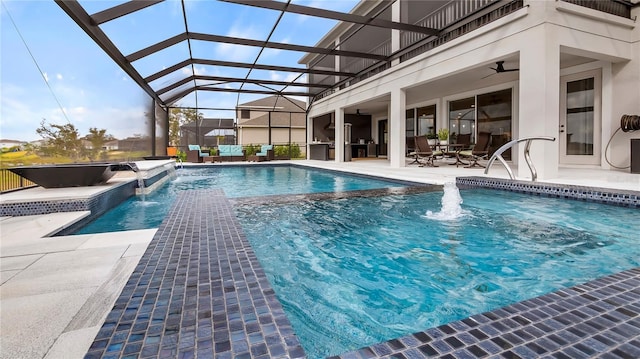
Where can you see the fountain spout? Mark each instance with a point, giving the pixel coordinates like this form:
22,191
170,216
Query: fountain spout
125,166
451,201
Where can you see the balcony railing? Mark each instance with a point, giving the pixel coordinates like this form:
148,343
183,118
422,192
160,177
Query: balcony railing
465,24
443,17
455,19
614,7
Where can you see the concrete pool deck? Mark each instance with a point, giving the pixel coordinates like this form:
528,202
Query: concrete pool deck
56,292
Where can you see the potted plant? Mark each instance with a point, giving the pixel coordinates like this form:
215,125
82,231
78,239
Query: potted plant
431,138
443,136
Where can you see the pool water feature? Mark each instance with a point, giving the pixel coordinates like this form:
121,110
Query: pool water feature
451,204
351,273
149,210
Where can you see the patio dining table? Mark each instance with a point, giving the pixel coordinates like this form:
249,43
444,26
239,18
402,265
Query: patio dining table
453,150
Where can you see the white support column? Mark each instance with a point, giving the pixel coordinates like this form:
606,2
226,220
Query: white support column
397,128
539,104
395,34
339,134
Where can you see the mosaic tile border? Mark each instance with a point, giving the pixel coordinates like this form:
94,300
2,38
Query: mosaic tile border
591,194
198,291
600,318
97,204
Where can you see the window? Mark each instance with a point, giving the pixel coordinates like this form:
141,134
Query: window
494,116
410,129
490,112
462,118
427,121
245,113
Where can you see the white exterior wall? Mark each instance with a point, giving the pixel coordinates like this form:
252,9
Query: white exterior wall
537,34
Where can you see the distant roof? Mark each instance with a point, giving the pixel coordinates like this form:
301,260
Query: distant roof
208,124
275,103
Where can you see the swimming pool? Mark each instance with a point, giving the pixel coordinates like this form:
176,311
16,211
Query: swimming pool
237,181
351,273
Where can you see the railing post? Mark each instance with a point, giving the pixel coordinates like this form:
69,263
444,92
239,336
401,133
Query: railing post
527,156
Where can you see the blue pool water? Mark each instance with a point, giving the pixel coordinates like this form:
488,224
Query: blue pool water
354,272
237,181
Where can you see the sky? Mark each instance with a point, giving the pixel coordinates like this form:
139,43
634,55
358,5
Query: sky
51,71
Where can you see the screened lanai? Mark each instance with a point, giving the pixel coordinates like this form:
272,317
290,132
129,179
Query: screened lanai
139,59
217,55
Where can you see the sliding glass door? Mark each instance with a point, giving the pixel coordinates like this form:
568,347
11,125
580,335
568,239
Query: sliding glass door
494,116
490,112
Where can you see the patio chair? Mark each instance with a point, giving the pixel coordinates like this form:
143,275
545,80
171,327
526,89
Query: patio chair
194,154
424,152
266,151
480,150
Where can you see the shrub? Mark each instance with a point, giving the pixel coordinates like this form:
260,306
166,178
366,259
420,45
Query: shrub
287,151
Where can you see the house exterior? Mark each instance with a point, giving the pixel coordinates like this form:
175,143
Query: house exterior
6,144
566,69
272,120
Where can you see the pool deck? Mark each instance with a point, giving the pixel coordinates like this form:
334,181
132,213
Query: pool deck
57,292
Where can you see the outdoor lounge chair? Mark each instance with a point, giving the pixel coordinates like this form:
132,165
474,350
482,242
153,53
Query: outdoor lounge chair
424,154
479,151
266,151
194,154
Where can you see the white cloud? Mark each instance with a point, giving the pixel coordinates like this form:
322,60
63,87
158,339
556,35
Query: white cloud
200,70
275,76
20,118
59,76
278,76
230,52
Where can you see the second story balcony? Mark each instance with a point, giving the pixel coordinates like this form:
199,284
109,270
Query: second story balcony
449,20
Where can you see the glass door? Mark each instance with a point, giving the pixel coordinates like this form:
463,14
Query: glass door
383,137
427,121
495,117
580,122
462,118
410,130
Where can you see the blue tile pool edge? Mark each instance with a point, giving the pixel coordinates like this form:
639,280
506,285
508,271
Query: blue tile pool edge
594,319
624,198
600,318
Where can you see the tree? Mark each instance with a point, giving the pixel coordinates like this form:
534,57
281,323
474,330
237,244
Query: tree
97,138
61,140
178,117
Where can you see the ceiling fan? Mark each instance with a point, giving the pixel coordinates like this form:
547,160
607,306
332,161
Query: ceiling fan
500,69
361,113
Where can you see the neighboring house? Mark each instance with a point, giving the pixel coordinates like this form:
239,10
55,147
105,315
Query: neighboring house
111,145
87,144
512,68
272,120
6,144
